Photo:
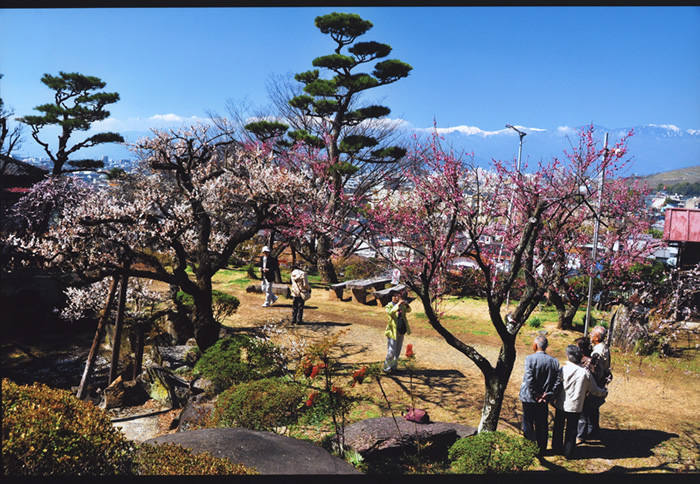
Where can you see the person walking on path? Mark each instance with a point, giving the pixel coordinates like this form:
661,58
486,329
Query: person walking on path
575,382
301,291
269,268
541,381
396,329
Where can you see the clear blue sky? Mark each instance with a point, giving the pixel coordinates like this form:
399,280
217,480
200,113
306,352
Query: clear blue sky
538,67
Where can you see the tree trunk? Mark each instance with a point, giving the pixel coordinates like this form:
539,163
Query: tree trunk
97,340
206,329
325,264
114,366
565,312
496,384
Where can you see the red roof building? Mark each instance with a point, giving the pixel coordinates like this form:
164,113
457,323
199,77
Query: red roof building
682,229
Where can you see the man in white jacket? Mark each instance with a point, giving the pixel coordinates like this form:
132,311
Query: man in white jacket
576,381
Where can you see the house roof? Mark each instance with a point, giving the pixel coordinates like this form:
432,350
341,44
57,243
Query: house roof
13,167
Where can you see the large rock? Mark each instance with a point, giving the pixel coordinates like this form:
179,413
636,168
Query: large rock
266,452
195,414
377,438
113,395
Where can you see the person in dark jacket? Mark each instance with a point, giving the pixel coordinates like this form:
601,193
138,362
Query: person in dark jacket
269,268
540,383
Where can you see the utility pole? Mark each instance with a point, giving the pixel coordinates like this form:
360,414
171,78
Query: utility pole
596,228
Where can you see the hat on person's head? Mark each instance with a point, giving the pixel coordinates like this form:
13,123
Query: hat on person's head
266,249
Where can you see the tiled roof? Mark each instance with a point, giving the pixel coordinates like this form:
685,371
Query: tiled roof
12,167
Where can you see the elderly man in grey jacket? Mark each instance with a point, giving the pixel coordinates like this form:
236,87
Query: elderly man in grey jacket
539,386
576,382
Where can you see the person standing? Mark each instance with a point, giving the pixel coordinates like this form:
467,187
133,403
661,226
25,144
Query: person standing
301,291
541,381
575,382
269,268
589,425
396,329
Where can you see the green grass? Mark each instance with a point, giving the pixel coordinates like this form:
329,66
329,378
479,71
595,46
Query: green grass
233,278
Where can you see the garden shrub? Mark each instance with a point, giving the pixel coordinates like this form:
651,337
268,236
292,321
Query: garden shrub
259,405
48,431
535,322
239,358
223,304
173,460
653,344
319,412
492,453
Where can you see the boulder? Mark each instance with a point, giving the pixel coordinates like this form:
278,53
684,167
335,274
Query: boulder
113,395
266,452
378,438
175,357
195,414
167,388
176,327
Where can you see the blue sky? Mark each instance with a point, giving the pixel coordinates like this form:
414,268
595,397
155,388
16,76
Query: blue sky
483,67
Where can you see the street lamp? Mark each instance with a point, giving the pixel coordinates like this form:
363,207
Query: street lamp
522,134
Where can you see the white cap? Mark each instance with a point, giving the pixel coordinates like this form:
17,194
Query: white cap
266,249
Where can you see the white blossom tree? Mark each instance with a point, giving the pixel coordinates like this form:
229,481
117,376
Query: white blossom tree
196,196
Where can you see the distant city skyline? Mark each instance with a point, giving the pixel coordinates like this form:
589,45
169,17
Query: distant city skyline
478,68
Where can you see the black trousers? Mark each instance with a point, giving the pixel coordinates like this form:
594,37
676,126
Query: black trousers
589,422
565,442
297,310
535,423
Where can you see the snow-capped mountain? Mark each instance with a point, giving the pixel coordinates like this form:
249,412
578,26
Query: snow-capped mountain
652,148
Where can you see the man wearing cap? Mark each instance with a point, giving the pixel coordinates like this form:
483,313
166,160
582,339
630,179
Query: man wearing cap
269,268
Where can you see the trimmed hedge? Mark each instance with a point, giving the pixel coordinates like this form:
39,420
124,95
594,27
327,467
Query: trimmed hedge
46,431
239,358
265,404
492,453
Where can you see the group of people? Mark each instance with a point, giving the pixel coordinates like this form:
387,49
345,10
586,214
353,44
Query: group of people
576,389
300,288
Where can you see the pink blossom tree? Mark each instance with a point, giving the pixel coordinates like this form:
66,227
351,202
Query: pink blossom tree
196,196
624,226
456,209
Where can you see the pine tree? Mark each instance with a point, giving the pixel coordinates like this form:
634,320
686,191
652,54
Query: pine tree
76,106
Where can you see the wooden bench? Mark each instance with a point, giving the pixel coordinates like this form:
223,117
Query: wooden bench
337,290
384,296
361,288
278,289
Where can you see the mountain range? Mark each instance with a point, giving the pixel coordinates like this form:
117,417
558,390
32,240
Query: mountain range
652,148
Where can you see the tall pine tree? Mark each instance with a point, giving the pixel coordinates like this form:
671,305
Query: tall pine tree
333,117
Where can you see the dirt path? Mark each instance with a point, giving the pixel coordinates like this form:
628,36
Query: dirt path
645,420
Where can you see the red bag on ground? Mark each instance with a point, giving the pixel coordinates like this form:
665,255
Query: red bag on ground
416,415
